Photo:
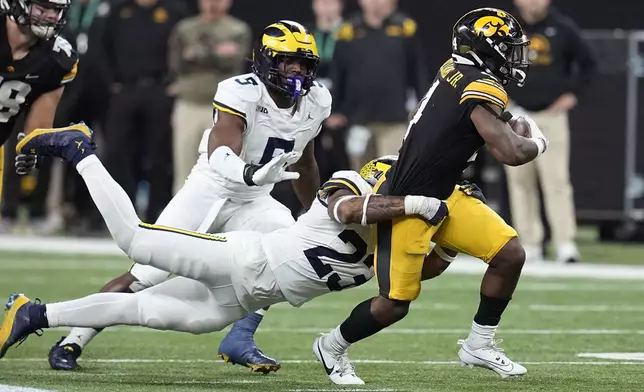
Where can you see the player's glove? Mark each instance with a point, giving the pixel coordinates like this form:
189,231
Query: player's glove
473,190
25,164
272,172
430,208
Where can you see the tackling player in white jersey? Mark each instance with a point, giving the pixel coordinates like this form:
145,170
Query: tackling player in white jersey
277,109
222,277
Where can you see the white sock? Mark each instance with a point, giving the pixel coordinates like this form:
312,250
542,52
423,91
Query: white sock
335,342
260,312
481,335
111,200
80,336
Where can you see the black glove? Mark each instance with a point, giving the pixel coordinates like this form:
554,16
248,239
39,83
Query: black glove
25,164
472,190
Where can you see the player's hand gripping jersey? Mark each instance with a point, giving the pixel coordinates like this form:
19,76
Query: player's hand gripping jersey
441,140
269,129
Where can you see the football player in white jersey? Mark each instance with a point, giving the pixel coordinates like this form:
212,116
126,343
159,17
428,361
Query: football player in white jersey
276,109
222,277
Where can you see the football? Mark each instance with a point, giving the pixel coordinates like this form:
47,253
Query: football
520,126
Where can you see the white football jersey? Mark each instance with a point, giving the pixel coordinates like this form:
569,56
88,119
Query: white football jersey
319,254
270,130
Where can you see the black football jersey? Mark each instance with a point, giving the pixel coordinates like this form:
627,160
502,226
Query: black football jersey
48,65
441,140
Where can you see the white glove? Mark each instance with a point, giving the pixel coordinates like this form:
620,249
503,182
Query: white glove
537,136
430,208
275,170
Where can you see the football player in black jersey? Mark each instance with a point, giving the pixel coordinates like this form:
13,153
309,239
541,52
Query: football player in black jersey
463,110
35,65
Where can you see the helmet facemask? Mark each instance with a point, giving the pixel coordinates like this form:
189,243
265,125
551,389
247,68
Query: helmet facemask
293,85
44,18
515,53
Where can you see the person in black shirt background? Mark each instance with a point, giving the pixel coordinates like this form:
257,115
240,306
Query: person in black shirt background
562,65
138,129
377,60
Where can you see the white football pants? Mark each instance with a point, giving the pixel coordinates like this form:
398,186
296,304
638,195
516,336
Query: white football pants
214,271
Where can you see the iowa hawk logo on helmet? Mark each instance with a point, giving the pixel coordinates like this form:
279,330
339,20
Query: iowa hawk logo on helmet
494,40
278,42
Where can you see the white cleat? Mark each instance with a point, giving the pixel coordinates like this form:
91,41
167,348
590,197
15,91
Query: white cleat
489,357
338,368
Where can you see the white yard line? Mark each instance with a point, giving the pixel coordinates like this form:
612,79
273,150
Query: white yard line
306,361
11,388
414,331
614,356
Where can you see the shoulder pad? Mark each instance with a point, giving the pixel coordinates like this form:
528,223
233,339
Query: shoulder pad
66,57
348,180
320,95
245,87
487,89
64,53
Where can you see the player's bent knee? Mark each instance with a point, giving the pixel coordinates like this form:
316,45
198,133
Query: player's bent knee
511,257
387,311
142,246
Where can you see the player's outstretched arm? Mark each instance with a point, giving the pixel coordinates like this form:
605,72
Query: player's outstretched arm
347,208
504,144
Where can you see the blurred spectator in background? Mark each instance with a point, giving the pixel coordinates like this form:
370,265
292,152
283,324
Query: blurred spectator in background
84,100
562,65
204,50
377,60
330,146
138,131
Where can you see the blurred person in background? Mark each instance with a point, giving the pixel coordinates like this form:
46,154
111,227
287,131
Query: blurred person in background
562,66
377,60
330,146
204,50
85,100
138,129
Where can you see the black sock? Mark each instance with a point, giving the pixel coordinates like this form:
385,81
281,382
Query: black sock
360,324
38,316
490,310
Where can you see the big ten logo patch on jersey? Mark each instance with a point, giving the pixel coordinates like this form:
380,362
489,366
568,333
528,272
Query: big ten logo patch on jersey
261,109
540,51
489,26
447,73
